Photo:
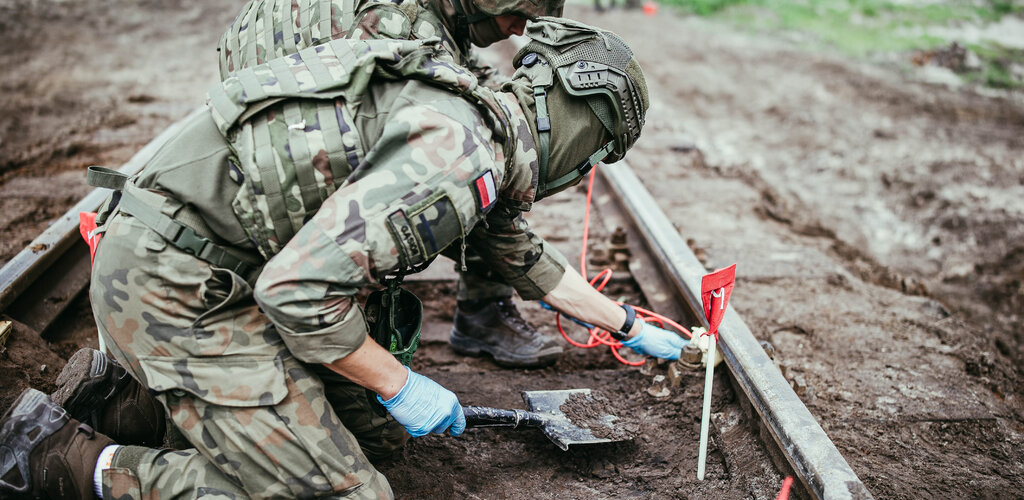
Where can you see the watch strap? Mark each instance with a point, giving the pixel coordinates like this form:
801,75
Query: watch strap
627,325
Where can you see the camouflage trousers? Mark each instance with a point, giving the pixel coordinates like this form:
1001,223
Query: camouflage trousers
478,282
262,423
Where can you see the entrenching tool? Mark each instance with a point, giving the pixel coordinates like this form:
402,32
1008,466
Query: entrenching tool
566,417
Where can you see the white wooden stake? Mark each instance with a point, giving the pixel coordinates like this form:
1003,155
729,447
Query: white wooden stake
705,416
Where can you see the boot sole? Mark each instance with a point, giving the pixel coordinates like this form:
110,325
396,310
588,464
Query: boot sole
38,421
471,347
74,379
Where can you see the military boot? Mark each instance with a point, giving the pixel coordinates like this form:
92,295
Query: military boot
44,453
497,328
98,391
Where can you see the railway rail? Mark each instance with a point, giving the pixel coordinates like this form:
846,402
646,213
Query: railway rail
40,282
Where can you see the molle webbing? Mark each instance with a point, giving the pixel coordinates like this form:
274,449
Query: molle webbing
282,187
188,234
267,29
340,68
540,100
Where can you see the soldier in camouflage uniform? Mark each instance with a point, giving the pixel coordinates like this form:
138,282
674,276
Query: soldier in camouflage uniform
486,318
226,274
97,390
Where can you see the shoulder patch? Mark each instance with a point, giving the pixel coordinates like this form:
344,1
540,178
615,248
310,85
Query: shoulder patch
485,191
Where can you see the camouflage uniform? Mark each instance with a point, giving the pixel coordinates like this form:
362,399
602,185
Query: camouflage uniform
268,29
264,30
239,371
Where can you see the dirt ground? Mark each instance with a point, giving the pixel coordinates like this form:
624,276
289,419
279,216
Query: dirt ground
877,222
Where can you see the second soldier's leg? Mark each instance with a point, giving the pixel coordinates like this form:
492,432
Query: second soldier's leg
487,321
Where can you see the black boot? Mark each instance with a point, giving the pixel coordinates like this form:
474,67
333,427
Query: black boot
497,328
44,453
98,391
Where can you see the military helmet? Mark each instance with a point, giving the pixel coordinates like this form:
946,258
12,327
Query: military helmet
590,64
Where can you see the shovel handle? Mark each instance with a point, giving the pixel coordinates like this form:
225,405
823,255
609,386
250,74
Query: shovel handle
482,416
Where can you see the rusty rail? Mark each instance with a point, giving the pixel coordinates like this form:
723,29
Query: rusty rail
813,457
46,276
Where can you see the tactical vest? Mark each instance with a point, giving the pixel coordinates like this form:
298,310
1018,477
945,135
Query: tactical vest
280,188
267,29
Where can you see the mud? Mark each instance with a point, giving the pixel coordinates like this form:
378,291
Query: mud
595,412
876,221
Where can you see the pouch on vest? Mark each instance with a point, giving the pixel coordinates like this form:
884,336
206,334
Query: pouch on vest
395,318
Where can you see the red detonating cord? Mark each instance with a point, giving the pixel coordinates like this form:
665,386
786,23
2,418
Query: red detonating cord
784,492
599,336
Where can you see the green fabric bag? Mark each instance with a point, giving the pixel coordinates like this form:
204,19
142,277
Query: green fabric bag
395,318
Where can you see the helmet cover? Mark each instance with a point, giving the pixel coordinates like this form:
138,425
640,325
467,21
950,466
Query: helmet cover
592,65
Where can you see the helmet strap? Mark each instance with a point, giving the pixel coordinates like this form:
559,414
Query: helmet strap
540,98
583,168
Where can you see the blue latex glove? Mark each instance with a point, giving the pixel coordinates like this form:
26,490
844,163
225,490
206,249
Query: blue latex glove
654,341
423,406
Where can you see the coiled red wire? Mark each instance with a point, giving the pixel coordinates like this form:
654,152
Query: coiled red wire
599,336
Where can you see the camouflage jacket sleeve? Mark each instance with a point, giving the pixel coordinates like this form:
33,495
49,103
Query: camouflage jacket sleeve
413,196
527,262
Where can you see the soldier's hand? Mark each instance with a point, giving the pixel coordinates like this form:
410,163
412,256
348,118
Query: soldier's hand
654,341
423,406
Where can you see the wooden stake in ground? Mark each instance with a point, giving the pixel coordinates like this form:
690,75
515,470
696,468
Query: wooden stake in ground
715,291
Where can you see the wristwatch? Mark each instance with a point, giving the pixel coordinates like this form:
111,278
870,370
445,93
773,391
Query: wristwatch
628,325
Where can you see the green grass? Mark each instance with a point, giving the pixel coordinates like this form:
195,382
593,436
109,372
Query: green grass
996,72
864,27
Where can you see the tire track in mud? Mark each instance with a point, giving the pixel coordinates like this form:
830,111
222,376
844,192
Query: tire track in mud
797,218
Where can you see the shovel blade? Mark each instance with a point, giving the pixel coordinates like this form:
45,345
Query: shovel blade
576,427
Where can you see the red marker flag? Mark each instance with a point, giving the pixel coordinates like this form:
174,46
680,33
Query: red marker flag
715,289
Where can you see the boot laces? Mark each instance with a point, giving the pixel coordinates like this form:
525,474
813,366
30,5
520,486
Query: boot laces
511,314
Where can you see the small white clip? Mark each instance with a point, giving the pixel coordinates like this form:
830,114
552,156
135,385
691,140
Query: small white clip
298,126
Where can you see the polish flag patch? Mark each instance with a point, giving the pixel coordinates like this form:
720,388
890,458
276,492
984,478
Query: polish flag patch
485,191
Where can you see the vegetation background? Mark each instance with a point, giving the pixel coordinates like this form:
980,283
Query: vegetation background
980,42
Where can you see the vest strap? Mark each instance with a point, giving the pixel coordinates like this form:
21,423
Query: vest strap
584,167
105,178
181,236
